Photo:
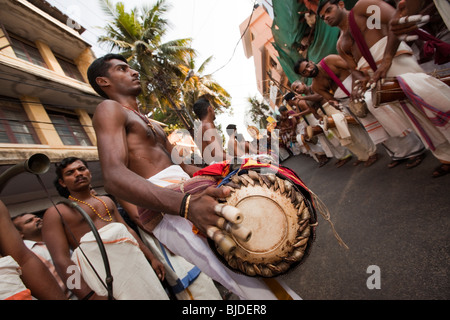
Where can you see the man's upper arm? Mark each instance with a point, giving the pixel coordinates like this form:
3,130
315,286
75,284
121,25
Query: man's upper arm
109,124
10,241
54,235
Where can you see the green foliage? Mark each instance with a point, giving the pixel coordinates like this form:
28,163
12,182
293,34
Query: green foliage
163,66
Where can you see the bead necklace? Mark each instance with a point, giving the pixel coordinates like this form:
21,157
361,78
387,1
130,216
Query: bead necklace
146,120
93,209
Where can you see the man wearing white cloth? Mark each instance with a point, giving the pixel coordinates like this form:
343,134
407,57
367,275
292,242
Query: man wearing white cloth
330,144
22,273
135,271
352,136
132,149
370,48
382,124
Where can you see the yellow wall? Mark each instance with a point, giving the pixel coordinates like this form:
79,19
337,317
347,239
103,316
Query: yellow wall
41,122
49,57
7,50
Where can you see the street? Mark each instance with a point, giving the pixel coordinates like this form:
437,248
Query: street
396,223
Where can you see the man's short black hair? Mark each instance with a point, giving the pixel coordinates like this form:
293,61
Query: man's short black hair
201,108
99,68
63,192
289,96
298,63
323,3
282,109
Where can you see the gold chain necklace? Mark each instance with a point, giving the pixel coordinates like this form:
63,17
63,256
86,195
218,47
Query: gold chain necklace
93,209
146,120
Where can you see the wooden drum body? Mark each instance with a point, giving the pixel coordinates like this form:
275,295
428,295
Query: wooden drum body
391,91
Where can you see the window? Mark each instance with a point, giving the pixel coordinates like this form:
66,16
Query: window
14,124
27,51
70,69
69,129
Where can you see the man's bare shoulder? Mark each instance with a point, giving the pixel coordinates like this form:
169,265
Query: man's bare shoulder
107,105
360,6
109,111
332,58
60,209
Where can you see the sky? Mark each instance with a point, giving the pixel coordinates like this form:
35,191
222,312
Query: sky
214,27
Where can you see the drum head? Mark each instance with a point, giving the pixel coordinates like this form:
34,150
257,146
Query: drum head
278,216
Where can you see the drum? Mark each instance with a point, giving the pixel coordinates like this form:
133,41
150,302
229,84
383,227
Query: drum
282,223
359,108
391,91
328,122
387,92
313,131
276,226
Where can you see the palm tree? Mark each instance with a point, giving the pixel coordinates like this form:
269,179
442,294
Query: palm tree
137,35
258,111
198,85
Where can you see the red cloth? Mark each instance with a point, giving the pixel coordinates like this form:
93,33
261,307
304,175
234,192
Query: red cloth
434,47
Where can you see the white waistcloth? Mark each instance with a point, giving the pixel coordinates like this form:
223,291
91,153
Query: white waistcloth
182,275
133,276
353,137
176,234
429,89
10,281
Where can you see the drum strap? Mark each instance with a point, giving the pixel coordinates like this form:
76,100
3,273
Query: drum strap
333,76
277,289
359,39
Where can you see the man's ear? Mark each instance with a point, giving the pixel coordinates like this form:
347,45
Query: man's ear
102,81
61,182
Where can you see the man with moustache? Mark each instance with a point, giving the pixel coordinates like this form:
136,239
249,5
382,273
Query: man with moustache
30,228
351,136
401,143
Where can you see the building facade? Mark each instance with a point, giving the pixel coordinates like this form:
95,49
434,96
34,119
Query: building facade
257,42
46,102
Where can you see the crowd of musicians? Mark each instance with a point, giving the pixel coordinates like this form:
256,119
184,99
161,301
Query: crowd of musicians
378,90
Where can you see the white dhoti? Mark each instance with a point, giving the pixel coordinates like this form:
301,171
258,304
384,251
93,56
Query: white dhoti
387,127
133,276
353,137
329,143
312,149
11,285
176,234
187,281
406,66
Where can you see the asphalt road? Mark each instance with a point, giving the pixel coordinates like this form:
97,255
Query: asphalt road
395,219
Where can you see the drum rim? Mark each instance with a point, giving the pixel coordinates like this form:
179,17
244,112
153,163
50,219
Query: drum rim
307,198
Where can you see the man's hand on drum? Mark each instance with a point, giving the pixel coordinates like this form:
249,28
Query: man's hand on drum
359,86
335,104
201,208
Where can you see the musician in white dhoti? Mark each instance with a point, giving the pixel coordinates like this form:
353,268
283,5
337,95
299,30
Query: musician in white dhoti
132,149
135,271
375,50
329,143
177,235
352,136
22,274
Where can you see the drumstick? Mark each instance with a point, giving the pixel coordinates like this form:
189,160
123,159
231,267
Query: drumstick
224,242
237,230
230,213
